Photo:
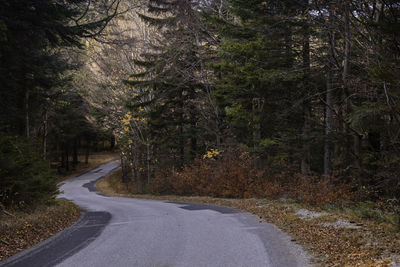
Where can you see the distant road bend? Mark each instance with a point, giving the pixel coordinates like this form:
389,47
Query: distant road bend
134,232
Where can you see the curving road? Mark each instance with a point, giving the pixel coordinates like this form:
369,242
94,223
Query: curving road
133,232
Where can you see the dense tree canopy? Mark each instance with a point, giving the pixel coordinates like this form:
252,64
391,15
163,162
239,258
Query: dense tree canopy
310,87
36,44
305,85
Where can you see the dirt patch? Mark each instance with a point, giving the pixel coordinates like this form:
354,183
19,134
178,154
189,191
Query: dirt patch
29,228
309,215
321,233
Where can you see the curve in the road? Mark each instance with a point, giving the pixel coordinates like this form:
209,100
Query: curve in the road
133,232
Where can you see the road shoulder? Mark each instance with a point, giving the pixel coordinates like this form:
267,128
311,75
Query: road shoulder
332,237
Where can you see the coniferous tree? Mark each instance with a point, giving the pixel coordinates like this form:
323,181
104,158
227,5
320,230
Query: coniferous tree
260,75
173,78
34,36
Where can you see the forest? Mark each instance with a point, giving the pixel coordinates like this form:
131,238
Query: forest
222,98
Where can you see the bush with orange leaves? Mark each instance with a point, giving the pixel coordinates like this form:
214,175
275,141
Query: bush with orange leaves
233,174
315,189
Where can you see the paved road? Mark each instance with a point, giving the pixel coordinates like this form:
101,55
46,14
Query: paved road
134,232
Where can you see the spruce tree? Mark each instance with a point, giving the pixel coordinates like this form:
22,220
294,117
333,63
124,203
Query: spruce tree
259,75
172,78
34,36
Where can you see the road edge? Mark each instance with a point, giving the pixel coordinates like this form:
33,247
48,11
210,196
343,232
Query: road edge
82,220
304,258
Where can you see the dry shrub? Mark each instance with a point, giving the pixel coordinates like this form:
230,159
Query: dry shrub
234,175
315,189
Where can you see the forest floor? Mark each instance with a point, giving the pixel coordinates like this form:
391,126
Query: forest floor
29,228
25,228
333,236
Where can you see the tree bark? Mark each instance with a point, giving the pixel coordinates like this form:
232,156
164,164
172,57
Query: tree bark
257,107
67,157
346,71
62,155
328,125
27,129
87,151
75,153
329,96
306,158
348,104
112,142
45,134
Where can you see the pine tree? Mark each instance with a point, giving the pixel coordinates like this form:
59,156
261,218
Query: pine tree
32,61
34,36
259,74
173,79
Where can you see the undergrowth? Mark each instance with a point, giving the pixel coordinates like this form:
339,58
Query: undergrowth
26,228
234,175
371,243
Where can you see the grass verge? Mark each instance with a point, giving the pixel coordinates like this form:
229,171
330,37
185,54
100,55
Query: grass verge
29,228
332,236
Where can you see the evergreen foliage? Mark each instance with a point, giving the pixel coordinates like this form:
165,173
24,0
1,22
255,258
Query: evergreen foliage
260,74
303,85
26,179
310,86
171,75
36,41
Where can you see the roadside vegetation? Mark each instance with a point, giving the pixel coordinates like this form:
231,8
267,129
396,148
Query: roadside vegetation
26,224
47,129
351,234
21,229
242,99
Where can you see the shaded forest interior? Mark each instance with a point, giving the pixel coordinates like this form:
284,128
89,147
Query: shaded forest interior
229,98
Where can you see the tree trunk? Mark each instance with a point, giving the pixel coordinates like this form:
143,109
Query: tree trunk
87,151
181,146
112,142
27,130
257,106
75,153
148,160
328,125
182,141
67,157
62,155
306,158
329,97
346,70
45,134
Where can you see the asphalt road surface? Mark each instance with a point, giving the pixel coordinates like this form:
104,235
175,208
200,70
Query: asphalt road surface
134,232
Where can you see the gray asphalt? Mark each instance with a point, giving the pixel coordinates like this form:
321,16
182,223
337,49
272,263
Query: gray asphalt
134,232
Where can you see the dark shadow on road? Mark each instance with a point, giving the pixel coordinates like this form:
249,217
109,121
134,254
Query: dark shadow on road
63,245
198,206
